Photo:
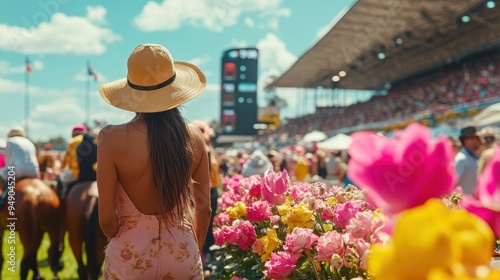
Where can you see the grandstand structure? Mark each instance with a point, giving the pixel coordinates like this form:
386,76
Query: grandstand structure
380,42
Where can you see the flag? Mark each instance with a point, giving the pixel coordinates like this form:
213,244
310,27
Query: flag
29,70
91,72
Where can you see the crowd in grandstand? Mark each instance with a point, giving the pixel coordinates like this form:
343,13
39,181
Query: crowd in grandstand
470,80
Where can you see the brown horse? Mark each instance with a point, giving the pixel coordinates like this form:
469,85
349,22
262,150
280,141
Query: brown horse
83,228
34,210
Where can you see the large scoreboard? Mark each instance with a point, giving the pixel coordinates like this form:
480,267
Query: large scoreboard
239,91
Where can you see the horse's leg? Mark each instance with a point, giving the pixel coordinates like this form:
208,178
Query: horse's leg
76,232
54,250
2,229
95,242
31,237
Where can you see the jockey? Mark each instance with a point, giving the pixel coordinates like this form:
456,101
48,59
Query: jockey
20,157
70,162
87,158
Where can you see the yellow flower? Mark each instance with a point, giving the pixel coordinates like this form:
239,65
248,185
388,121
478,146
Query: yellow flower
332,201
239,210
299,216
284,208
269,243
432,238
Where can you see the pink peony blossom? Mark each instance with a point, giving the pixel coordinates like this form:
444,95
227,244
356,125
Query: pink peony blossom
300,239
486,203
490,216
343,213
259,211
246,235
222,219
361,225
255,183
236,278
404,171
300,191
275,219
281,265
328,244
274,186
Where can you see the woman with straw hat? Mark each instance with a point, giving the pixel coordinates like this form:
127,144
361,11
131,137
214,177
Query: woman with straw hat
152,171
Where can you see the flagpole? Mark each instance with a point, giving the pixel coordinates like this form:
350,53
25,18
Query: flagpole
87,101
27,101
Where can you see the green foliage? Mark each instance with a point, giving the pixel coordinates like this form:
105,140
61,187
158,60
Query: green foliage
69,271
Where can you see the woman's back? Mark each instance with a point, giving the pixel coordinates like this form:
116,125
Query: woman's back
152,171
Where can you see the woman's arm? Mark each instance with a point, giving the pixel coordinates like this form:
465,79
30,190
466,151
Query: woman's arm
201,188
107,181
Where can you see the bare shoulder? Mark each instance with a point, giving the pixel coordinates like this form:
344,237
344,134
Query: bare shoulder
112,135
196,136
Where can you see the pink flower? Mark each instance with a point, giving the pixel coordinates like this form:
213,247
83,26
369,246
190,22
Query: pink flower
246,235
228,199
300,239
300,191
222,219
490,216
225,234
275,219
280,265
361,225
259,211
343,213
236,278
404,171
255,185
274,186
486,205
488,183
328,244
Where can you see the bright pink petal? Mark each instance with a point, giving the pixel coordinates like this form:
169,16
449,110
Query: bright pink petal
404,171
490,216
488,185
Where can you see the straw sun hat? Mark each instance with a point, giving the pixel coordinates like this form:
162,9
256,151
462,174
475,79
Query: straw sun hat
154,82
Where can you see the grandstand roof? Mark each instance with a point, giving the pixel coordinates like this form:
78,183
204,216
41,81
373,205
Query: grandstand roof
431,33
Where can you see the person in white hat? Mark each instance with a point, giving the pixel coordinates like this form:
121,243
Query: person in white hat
152,171
258,164
20,160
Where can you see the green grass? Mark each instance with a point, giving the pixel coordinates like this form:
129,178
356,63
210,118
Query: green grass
69,271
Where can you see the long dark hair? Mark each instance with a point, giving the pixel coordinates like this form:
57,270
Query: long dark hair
171,154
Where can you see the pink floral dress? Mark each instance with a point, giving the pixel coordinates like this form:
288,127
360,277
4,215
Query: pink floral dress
144,248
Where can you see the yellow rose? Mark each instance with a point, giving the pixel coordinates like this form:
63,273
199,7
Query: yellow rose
434,242
299,216
269,243
239,210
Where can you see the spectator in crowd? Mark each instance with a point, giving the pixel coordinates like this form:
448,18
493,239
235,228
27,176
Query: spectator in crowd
334,168
258,164
456,144
20,154
215,184
466,159
489,148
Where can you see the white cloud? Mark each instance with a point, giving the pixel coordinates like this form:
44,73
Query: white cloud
274,54
61,34
249,22
212,15
235,43
200,61
96,14
274,59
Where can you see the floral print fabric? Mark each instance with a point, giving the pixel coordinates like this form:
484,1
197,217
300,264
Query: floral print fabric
144,248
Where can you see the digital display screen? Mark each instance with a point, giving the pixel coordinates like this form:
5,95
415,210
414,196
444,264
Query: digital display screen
239,91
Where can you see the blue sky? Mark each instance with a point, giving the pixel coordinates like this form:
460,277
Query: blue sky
60,36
